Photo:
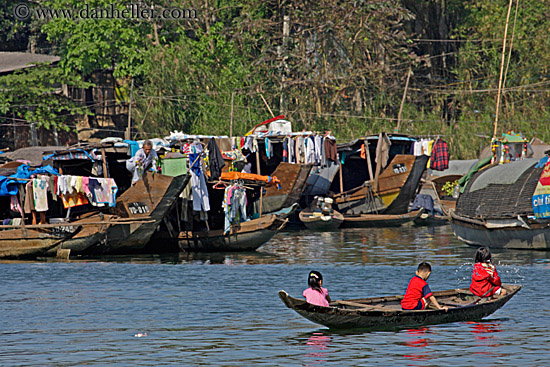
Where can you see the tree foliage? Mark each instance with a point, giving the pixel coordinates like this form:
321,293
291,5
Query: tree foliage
34,95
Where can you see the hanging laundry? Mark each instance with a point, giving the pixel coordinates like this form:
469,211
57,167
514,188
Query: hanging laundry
234,205
15,206
300,150
201,201
323,153
215,160
417,148
74,199
330,149
318,150
268,148
382,150
310,150
363,152
440,156
291,143
40,193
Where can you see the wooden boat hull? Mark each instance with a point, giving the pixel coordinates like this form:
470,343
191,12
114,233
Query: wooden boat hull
396,188
385,313
380,220
321,223
29,242
293,183
425,219
140,210
248,236
536,237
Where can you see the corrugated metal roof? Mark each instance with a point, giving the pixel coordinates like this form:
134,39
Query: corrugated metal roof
11,61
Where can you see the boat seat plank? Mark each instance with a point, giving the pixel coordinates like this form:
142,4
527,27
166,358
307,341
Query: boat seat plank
364,306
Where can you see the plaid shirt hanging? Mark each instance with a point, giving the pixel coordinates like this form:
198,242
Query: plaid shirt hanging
440,156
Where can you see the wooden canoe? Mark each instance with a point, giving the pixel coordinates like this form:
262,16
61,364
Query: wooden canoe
432,220
380,220
245,236
320,222
385,313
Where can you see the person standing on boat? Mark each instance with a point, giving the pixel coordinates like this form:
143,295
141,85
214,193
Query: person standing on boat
316,294
145,158
485,279
419,295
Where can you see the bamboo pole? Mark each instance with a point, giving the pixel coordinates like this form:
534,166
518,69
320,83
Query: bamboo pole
501,69
104,159
128,134
403,101
261,200
341,176
258,162
231,116
369,164
269,109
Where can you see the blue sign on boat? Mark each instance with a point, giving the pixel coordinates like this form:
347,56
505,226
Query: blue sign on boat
541,196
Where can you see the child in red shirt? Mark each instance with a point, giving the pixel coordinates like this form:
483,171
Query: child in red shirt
419,295
316,294
485,279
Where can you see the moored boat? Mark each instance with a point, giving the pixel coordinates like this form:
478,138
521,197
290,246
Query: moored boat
383,313
30,240
320,216
381,220
497,207
245,236
139,212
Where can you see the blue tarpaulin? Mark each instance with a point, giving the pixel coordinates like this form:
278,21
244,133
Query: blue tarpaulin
8,185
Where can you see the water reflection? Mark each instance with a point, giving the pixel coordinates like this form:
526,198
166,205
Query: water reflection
317,348
418,339
484,333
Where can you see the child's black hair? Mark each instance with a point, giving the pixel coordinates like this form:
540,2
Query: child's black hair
424,266
313,280
483,255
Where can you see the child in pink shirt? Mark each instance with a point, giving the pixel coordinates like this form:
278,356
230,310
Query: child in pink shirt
316,294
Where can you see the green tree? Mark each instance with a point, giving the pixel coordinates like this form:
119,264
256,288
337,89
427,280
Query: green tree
34,95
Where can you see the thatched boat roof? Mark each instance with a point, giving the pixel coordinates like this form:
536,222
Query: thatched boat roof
500,191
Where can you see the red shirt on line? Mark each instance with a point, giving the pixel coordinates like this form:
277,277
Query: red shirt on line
485,280
418,288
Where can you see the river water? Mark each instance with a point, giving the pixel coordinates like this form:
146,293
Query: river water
223,309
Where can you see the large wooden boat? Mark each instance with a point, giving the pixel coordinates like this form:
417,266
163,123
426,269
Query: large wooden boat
383,313
139,211
496,208
367,187
293,179
381,220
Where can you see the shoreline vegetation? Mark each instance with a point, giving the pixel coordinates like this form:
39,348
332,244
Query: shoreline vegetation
354,68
